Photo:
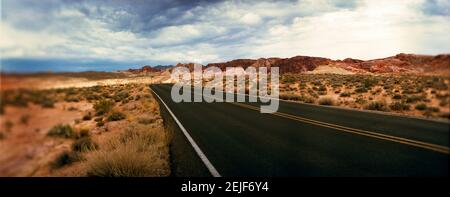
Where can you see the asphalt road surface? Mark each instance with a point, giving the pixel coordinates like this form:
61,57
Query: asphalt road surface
309,140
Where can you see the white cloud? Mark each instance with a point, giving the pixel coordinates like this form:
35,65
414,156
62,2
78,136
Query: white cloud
231,29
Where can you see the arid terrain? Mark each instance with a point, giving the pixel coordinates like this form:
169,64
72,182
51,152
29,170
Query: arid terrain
109,130
408,84
102,123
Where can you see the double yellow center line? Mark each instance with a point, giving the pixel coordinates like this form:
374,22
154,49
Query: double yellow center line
415,143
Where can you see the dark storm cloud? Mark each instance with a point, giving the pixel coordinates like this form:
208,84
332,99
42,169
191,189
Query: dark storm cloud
139,16
437,7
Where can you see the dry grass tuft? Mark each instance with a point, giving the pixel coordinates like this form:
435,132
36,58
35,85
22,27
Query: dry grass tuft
139,151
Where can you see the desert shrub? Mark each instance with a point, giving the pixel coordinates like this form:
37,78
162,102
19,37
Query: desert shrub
100,123
344,94
146,120
8,125
2,135
399,106
65,158
19,101
24,119
322,88
414,98
84,144
115,116
47,103
376,105
61,130
321,93
361,90
103,106
72,98
433,109
397,96
360,100
83,133
120,96
421,106
326,101
99,119
88,116
71,108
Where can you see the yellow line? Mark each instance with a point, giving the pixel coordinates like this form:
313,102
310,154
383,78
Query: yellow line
425,145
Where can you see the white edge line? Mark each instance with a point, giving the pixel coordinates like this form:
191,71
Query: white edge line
197,149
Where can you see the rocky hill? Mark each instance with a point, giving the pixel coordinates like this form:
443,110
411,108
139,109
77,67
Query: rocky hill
398,64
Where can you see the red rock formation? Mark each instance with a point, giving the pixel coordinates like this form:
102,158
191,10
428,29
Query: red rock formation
143,70
407,63
400,64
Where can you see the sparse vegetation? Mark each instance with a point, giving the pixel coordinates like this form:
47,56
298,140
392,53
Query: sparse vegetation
8,126
137,152
398,93
399,106
116,116
421,106
377,105
88,116
146,120
24,119
103,106
84,144
65,158
61,130
344,94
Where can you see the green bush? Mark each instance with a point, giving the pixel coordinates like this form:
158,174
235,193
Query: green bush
61,130
397,96
83,133
115,116
120,96
399,106
100,123
24,119
421,106
84,144
322,88
433,109
344,94
47,103
103,106
65,158
361,90
376,105
88,116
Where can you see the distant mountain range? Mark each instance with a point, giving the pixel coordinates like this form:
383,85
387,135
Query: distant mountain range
398,64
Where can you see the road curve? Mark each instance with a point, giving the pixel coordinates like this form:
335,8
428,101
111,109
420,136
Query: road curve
240,141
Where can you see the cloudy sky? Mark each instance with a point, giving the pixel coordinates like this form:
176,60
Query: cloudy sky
67,35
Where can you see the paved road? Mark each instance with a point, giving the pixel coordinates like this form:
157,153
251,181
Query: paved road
307,140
